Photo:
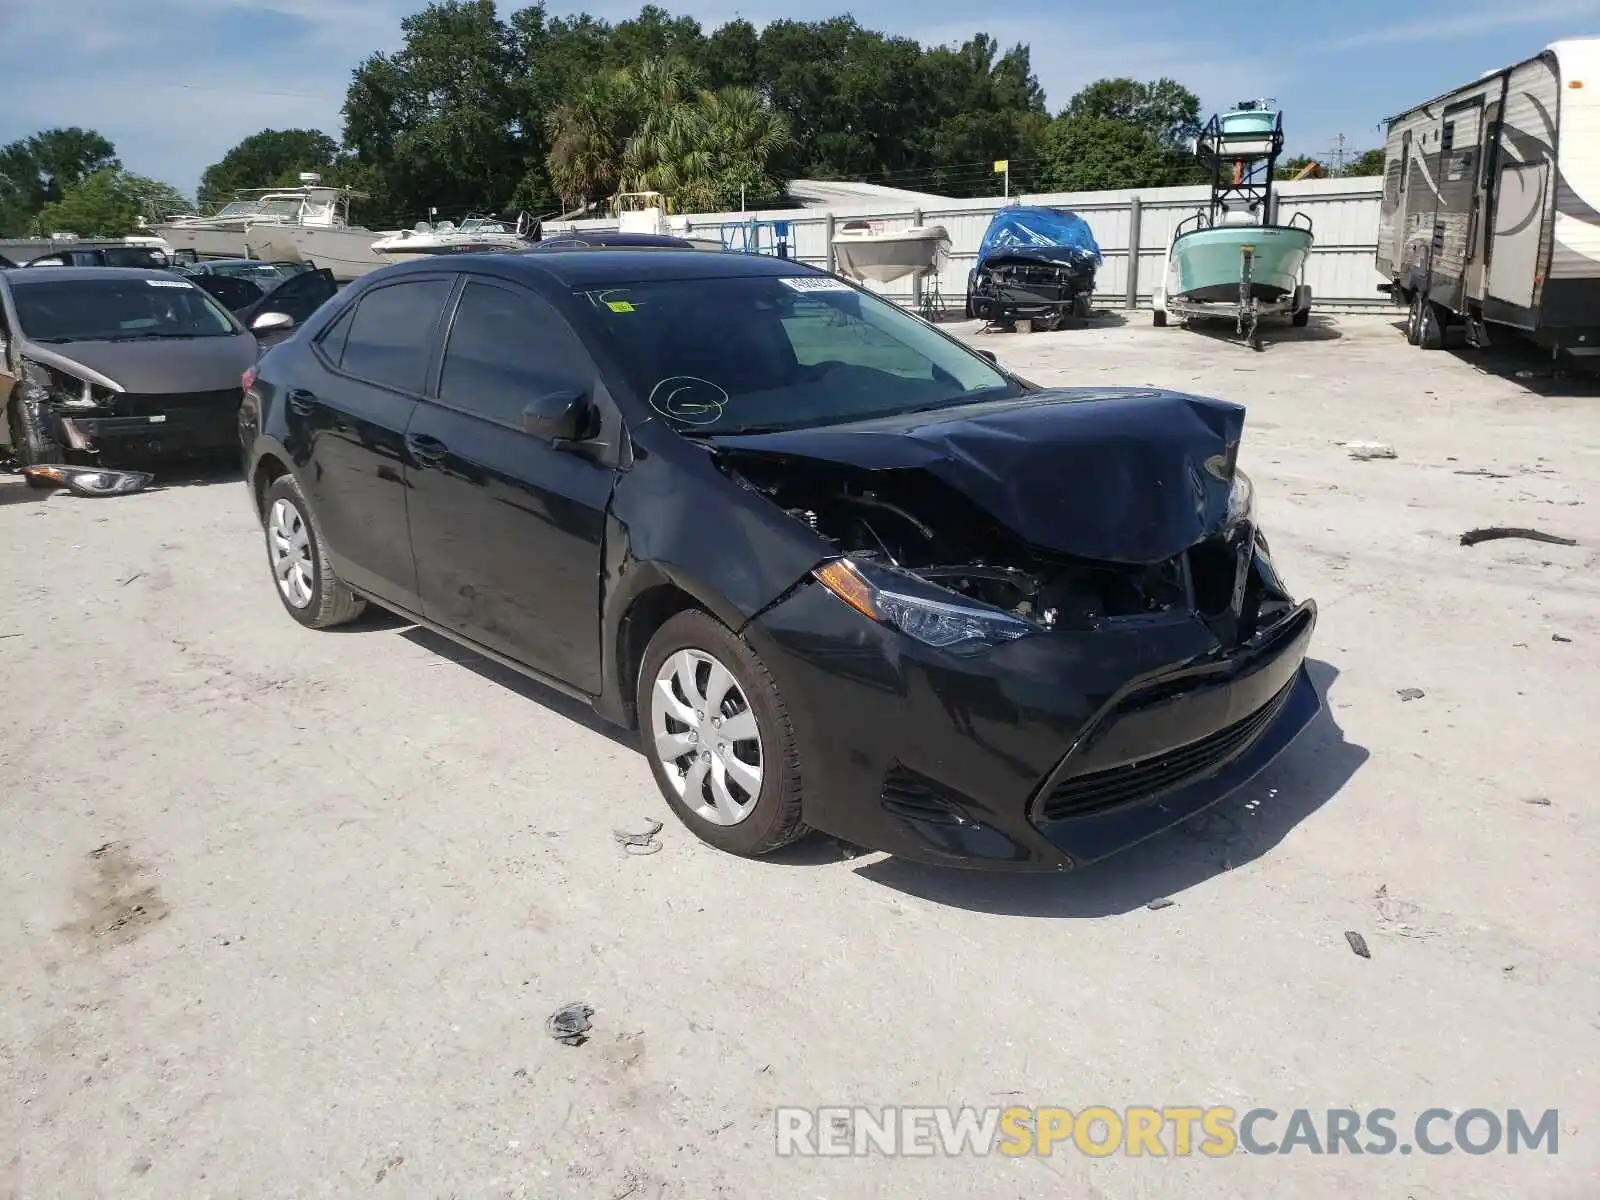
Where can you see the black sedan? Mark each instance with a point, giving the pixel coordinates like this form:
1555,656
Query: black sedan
102,363
840,571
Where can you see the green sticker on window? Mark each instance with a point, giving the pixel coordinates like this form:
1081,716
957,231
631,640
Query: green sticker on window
619,306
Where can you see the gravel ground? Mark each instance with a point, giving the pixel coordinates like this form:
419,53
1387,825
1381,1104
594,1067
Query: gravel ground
284,912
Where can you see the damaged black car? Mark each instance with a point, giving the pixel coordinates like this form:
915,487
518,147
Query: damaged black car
840,571
100,364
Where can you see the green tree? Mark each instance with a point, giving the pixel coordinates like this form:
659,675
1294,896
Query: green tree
1165,109
1088,154
271,158
988,106
1369,163
658,128
38,170
442,121
108,203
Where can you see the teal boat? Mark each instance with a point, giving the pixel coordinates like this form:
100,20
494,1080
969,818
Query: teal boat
1232,259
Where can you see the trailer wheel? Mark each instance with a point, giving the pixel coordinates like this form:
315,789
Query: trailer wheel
1430,331
1301,318
1414,319
1159,318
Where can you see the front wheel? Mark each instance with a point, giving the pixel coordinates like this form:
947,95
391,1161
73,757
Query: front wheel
31,441
717,733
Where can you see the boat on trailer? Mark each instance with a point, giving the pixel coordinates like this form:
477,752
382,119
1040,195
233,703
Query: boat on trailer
1232,258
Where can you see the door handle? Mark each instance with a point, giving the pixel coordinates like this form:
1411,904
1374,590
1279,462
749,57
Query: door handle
301,401
425,448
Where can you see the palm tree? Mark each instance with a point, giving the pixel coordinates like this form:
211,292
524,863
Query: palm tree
588,135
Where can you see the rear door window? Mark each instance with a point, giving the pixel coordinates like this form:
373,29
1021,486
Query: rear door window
506,348
391,334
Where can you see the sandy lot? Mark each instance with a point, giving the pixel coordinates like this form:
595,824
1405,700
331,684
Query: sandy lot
282,913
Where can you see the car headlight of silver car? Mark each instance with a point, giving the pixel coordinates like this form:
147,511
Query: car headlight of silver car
944,620
67,393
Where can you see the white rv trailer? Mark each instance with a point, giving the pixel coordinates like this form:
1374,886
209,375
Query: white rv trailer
1491,205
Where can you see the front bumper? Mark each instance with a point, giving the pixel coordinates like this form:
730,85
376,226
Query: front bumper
1045,753
176,433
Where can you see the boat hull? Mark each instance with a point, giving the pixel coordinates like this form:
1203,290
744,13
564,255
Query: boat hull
347,252
205,242
1204,266
887,257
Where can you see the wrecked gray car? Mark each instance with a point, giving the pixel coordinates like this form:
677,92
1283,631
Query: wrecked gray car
101,366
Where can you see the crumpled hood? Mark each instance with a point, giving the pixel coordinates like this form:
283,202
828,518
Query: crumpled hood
1116,474
161,366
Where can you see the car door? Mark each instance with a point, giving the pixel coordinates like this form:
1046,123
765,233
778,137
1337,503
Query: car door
299,296
347,405
507,529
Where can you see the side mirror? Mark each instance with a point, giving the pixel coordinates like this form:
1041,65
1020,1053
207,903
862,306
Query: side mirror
272,322
990,355
558,417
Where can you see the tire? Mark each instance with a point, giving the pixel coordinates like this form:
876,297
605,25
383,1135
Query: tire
1301,318
969,312
1414,319
1081,306
31,441
761,811
1159,318
310,591
1430,332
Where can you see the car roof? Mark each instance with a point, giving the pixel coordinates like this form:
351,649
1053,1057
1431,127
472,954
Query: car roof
23,277
593,267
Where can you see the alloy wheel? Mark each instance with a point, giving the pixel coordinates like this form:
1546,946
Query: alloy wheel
706,737
289,542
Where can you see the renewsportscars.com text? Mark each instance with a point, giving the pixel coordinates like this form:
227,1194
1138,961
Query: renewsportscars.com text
1150,1131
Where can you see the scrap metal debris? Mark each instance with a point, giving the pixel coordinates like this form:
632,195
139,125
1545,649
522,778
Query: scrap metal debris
1357,943
1366,451
1159,903
639,843
1493,533
1556,637
1411,693
1541,801
1484,473
569,1024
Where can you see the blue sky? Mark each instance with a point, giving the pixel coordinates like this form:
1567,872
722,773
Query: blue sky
175,83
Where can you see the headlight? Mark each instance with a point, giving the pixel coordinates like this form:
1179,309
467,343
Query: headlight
903,602
1241,499
73,393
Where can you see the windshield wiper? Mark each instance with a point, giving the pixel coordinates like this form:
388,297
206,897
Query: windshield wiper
150,337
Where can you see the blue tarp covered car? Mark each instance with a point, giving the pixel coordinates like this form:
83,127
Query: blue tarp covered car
1036,263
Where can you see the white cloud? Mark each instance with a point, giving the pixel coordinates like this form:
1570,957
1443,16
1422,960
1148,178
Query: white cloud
1466,24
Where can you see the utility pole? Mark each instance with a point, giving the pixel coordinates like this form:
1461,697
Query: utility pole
1338,153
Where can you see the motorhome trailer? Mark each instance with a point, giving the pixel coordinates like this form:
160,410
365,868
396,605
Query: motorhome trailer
1490,221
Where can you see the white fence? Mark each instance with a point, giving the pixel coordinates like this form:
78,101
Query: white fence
1343,212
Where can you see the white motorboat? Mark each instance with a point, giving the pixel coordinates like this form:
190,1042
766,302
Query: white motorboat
221,234
864,251
472,235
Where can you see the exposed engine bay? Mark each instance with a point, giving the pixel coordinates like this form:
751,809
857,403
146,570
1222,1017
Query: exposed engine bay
909,520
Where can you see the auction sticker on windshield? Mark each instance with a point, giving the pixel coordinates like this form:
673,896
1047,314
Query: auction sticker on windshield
172,283
814,283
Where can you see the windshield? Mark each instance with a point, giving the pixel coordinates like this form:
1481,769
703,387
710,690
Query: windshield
761,353
98,310
135,256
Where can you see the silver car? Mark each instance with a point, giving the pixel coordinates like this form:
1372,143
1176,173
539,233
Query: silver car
102,365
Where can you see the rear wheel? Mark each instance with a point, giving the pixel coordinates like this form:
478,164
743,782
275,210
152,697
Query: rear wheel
1414,318
1159,318
310,590
1430,330
717,733
31,441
